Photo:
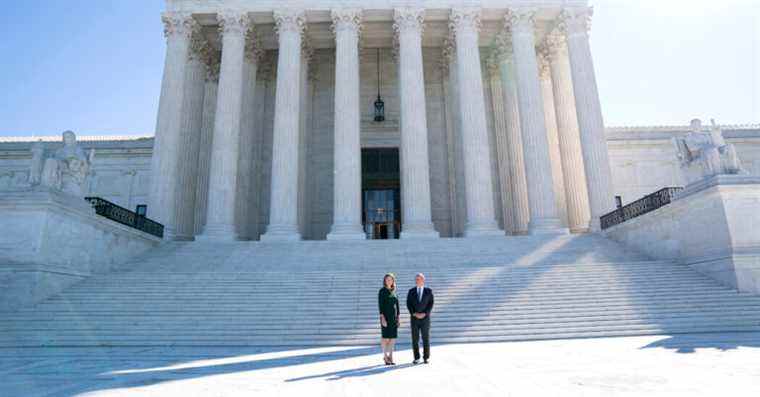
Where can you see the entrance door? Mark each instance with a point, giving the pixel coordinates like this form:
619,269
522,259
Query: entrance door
381,220
381,198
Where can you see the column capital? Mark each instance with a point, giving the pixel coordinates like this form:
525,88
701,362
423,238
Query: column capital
198,45
254,50
503,46
179,24
544,62
448,51
408,19
232,22
520,20
554,45
465,18
288,20
346,19
212,58
575,21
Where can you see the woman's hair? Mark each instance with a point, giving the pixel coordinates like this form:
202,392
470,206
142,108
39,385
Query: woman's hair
393,277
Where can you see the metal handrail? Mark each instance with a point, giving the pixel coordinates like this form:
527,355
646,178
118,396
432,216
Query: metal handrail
640,207
126,217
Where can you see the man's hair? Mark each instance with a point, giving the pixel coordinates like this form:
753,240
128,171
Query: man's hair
420,275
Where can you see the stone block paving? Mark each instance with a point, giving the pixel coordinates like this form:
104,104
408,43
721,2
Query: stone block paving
678,365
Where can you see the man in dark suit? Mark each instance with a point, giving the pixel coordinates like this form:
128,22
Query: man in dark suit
419,301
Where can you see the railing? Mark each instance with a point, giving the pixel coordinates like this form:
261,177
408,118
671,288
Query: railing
640,207
125,217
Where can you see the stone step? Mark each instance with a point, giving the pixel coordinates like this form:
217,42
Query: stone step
465,303
569,309
442,324
440,334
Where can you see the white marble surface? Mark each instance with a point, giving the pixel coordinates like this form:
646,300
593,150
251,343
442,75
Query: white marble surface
678,365
712,226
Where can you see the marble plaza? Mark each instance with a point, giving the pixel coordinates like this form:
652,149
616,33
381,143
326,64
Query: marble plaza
694,366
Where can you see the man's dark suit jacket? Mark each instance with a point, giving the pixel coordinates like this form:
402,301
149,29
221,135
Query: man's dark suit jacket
415,305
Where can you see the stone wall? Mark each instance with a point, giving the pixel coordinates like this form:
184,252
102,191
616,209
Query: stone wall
56,241
712,226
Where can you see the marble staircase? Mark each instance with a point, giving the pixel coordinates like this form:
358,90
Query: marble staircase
324,293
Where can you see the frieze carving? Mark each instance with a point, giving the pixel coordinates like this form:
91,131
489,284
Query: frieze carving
231,22
464,19
408,19
290,21
178,24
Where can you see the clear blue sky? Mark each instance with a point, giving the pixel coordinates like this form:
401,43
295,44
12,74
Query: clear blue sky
95,66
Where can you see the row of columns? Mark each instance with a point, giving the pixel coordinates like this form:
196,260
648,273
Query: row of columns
552,143
182,129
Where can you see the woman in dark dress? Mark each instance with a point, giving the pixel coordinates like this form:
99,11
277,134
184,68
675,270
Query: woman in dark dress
387,302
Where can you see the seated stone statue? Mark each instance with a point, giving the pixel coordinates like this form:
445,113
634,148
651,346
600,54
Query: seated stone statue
67,170
705,154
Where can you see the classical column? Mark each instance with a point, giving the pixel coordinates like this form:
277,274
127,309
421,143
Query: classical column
465,23
190,136
178,28
247,146
550,117
520,207
212,60
415,169
223,176
502,149
538,171
347,202
596,161
283,212
576,193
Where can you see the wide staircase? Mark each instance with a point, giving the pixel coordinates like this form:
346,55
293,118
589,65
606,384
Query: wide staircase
325,293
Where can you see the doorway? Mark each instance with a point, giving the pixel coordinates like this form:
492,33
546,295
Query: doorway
381,194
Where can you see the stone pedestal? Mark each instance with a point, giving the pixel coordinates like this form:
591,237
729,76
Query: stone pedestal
347,201
56,241
415,169
713,226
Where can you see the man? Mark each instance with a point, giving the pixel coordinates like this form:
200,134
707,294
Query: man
419,301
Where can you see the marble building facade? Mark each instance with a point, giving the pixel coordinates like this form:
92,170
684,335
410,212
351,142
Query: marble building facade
266,110
548,113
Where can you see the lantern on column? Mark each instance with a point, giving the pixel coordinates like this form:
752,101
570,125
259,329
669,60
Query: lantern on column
379,104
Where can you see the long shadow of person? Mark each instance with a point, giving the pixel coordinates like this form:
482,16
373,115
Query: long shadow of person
352,373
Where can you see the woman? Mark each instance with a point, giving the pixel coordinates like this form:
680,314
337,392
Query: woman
389,317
